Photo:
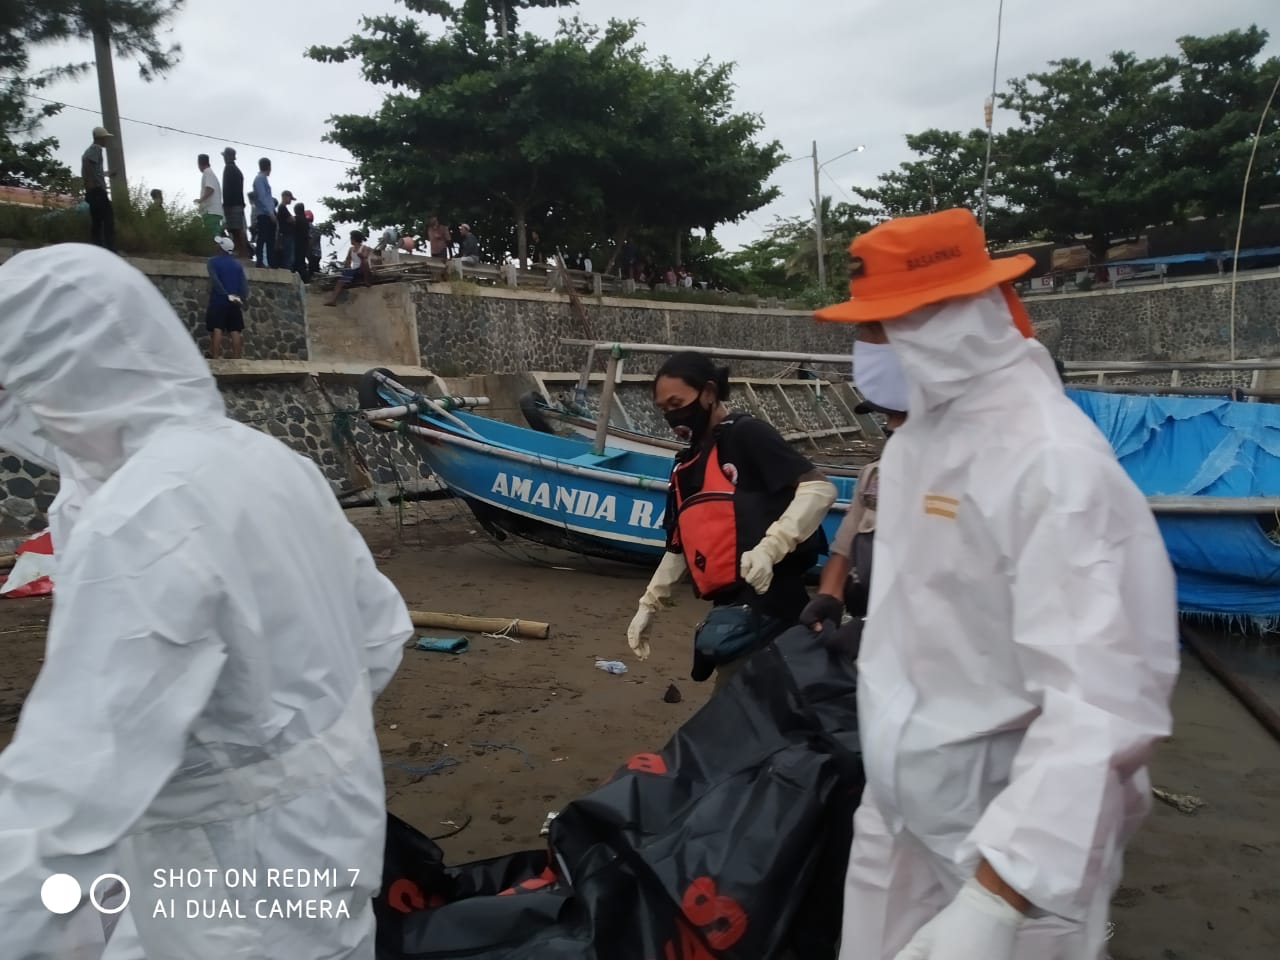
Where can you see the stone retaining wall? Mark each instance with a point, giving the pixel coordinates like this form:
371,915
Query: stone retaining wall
275,323
1184,321
26,490
275,319
465,329
313,416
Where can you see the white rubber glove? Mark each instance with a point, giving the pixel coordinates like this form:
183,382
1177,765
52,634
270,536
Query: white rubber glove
804,514
668,574
638,632
976,925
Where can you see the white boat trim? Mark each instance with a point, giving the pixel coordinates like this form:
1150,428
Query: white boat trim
1201,505
601,534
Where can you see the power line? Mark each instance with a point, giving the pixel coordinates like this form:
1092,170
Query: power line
837,186
188,133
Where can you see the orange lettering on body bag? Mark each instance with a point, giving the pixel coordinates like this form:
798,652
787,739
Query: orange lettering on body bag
647,763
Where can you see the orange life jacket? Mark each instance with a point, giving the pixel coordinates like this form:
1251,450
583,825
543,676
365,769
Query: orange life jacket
707,525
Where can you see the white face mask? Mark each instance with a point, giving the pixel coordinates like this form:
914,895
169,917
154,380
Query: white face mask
878,376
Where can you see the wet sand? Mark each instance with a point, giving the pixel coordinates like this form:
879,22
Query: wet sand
483,744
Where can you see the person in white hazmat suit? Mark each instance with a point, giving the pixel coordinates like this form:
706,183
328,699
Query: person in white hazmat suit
1020,648
20,434
86,932
219,632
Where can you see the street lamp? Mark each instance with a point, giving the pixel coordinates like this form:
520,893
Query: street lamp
817,207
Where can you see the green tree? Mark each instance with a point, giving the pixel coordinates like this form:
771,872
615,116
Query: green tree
947,174
578,137
26,159
784,262
696,163
1222,89
131,28
1101,153
1091,156
493,141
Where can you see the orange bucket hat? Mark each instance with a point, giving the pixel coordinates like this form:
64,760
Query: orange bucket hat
907,263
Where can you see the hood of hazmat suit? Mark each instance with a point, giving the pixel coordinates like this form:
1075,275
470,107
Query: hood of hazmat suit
20,434
1020,648
202,727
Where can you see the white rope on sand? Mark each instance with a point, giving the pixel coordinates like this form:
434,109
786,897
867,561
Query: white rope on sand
506,633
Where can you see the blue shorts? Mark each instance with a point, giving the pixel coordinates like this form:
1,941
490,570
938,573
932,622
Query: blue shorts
350,276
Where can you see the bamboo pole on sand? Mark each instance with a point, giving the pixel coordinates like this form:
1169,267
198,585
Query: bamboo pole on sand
456,621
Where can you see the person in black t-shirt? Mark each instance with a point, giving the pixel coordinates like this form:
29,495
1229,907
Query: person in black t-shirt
744,517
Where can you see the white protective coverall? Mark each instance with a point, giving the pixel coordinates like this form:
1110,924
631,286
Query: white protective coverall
218,634
21,434
1020,648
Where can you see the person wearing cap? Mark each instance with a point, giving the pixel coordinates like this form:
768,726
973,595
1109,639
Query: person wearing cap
846,576
1020,647
228,293
93,170
233,202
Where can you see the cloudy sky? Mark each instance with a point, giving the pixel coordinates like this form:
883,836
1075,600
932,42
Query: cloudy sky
843,72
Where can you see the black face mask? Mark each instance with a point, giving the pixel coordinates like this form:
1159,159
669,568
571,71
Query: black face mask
690,421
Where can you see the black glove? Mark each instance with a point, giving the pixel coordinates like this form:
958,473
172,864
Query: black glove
820,609
845,639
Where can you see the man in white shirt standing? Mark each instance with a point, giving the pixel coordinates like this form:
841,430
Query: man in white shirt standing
210,201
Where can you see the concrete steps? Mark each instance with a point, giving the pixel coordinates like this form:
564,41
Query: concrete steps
370,325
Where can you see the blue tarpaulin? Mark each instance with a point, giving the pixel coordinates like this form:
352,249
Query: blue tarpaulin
1175,446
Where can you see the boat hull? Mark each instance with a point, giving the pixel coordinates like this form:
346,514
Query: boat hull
543,504
1208,454
611,507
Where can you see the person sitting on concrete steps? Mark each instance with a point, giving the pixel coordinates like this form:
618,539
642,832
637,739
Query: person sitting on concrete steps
357,266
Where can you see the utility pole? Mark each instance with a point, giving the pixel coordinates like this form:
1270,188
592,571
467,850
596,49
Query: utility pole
817,207
817,221
989,111
111,116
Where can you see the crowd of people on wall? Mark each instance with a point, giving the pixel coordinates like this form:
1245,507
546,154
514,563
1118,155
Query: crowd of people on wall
280,232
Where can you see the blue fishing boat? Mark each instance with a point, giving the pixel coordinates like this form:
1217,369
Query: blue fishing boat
542,487
1210,469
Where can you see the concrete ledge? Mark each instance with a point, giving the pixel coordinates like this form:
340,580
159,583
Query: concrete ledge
199,268
538,296
245,370
178,268
1254,276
